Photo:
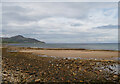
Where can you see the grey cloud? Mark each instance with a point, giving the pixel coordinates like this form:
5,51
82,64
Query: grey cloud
76,24
70,10
58,9
16,17
13,9
107,27
22,14
88,37
13,13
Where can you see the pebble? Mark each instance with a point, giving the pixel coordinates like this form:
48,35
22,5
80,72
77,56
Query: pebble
115,76
37,80
31,68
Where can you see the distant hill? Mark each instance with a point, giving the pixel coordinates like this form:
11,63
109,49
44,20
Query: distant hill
20,39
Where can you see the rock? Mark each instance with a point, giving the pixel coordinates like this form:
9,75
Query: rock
100,70
80,68
31,73
74,73
81,81
115,76
37,80
97,72
17,70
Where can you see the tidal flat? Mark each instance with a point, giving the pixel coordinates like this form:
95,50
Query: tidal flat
28,67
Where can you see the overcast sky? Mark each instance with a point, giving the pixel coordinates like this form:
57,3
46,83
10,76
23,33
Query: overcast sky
67,22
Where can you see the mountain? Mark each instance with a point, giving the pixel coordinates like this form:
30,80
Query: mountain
20,39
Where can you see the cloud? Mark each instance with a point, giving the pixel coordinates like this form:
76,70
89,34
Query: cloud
61,22
108,27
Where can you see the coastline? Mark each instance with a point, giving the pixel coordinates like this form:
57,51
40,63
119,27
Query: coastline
69,46
70,53
31,67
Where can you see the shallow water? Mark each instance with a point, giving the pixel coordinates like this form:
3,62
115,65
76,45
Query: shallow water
112,68
98,46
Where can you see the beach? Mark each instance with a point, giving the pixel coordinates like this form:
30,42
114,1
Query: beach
88,54
35,65
59,42
71,53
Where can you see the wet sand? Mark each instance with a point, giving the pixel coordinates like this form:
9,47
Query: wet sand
98,54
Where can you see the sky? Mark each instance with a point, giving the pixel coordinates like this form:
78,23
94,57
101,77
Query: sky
62,22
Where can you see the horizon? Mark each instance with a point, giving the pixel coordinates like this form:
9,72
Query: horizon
62,22
56,43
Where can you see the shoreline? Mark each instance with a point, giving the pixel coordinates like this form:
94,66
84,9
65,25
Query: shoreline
69,53
37,48
22,67
6,44
28,67
69,49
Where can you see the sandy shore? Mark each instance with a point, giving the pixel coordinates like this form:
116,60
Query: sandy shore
98,54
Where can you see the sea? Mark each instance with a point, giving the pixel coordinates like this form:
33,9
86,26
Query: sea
92,46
